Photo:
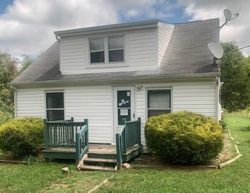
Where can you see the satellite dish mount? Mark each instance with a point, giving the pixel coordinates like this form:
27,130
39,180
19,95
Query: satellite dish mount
228,17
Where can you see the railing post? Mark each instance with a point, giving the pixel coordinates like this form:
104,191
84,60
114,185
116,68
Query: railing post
118,151
124,136
45,135
87,133
139,120
78,146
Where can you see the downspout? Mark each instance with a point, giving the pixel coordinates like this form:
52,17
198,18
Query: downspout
218,105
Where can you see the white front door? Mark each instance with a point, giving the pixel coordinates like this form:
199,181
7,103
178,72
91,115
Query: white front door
123,105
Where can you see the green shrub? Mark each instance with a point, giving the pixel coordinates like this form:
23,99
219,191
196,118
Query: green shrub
22,136
184,137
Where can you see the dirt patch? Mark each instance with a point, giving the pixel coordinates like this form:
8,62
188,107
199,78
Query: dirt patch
228,151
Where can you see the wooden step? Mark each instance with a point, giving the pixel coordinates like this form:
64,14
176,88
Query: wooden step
97,168
99,160
99,155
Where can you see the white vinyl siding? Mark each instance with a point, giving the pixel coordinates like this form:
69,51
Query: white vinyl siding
30,103
96,104
199,97
140,52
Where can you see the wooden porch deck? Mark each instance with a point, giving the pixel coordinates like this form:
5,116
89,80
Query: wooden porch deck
69,140
104,151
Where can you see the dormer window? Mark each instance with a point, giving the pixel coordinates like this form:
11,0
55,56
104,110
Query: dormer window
116,49
106,49
97,54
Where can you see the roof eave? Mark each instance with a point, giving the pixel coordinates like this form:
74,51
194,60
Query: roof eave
140,78
106,29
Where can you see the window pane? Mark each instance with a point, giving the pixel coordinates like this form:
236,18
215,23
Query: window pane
159,99
54,100
116,42
97,44
97,57
116,56
157,112
55,115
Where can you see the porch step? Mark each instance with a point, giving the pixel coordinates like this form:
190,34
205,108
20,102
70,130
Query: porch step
99,155
97,168
99,162
112,161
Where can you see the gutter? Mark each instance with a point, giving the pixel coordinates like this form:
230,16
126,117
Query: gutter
108,28
116,79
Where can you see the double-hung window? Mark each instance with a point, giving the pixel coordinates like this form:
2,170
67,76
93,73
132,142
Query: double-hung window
116,49
97,53
106,49
55,106
159,102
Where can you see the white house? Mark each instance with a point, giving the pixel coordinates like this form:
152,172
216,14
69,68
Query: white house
129,70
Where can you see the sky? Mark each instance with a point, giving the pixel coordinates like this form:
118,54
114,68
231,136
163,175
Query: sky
27,26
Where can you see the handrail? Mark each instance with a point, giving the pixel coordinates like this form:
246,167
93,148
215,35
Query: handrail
67,134
82,140
127,135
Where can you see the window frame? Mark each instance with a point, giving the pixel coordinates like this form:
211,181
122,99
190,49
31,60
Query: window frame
106,51
54,109
116,49
159,89
90,52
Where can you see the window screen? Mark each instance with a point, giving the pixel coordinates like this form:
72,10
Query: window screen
159,102
55,106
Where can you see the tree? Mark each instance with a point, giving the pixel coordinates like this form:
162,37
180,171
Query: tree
235,73
8,71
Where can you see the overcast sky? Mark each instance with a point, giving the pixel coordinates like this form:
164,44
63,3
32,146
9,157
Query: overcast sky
27,26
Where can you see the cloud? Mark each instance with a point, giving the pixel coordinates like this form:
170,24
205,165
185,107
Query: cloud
26,27
238,30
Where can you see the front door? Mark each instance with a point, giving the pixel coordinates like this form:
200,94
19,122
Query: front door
124,105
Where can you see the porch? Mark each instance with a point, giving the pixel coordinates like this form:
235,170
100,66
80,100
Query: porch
69,140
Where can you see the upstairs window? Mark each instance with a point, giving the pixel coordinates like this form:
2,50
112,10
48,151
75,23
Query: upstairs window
159,102
55,106
116,49
106,49
97,54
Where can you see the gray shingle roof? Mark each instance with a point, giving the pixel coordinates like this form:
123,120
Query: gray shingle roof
187,55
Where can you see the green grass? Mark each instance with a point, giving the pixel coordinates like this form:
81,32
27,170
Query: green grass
27,178
47,177
234,178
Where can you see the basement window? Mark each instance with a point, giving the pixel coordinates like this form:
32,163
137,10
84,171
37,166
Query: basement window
159,102
55,106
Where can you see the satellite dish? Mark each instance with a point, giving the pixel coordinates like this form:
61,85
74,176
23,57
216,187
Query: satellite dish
216,49
227,14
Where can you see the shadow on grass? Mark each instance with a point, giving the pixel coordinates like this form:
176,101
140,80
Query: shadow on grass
246,128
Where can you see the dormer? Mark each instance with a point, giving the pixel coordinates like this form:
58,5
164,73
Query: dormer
111,48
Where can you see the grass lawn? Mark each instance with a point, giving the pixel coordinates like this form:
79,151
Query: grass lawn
233,178
47,177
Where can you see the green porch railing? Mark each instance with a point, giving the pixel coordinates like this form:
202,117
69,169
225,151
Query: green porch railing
127,136
67,134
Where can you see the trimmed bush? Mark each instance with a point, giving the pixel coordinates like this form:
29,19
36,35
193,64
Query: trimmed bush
184,137
23,137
